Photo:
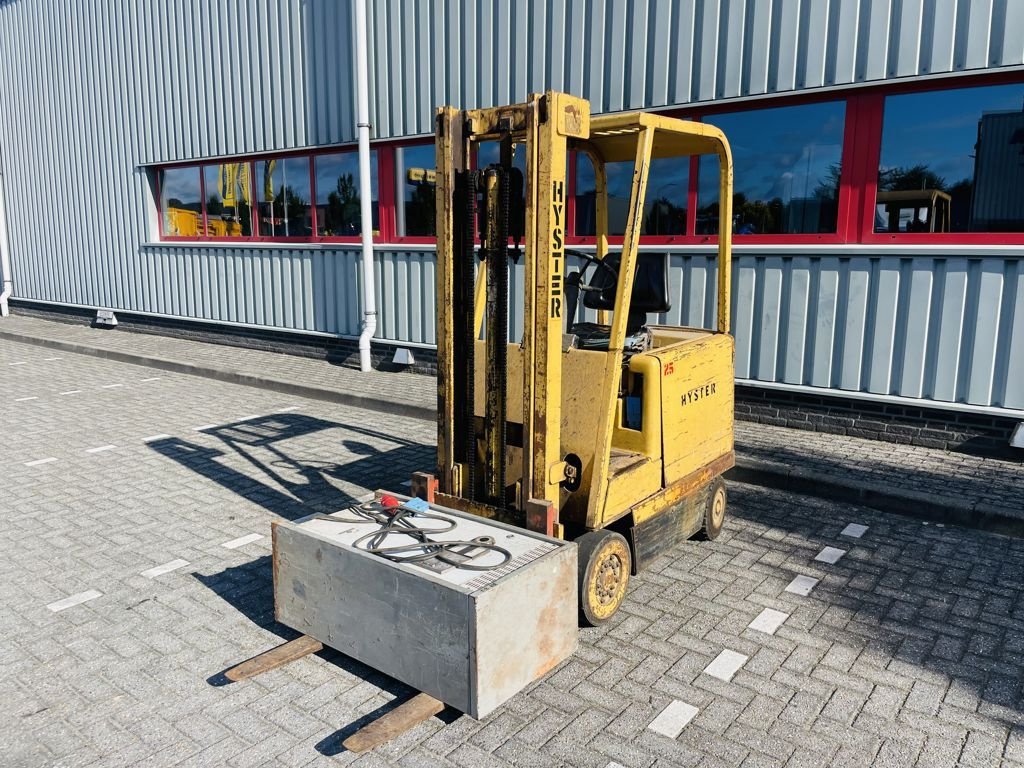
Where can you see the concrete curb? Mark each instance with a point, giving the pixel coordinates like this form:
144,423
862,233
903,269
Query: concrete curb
231,377
909,503
923,506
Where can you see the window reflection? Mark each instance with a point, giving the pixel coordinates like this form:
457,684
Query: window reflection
228,200
181,201
786,170
952,161
337,194
415,180
488,153
284,197
664,207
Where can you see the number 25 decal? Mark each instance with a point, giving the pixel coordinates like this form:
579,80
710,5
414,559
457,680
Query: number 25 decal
668,369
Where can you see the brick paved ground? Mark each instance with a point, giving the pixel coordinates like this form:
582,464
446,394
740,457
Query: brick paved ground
908,651
920,475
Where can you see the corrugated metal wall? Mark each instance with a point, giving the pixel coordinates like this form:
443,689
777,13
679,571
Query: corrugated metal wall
948,328
621,54
90,92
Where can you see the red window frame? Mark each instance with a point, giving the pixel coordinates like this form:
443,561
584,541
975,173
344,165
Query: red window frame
255,237
702,112
395,189
862,138
872,115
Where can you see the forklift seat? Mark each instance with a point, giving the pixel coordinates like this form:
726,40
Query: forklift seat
650,288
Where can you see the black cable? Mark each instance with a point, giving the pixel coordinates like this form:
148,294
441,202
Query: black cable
401,521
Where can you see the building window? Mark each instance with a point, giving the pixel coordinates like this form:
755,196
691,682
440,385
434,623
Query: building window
337,194
786,162
181,202
415,181
665,205
285,208
228,189
952,161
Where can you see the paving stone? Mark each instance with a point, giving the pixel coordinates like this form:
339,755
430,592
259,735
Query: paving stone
912,643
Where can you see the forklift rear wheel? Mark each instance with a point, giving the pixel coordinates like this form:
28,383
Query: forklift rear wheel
604,566
714,511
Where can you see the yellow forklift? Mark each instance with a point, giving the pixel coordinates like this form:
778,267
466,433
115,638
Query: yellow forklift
612,433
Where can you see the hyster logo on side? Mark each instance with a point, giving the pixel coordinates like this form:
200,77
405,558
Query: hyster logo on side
697,393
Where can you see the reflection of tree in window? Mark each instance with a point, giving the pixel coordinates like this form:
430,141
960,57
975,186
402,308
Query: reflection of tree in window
786,164
284,198
343,208
664,205
949,161
338,195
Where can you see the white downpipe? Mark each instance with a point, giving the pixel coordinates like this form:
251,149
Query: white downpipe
365,203
5,253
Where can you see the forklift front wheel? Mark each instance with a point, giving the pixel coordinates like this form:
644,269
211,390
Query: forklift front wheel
714,511
604,566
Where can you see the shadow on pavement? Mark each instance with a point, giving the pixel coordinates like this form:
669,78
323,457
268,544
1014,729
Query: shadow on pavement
942,606
289,479
249,588
292,479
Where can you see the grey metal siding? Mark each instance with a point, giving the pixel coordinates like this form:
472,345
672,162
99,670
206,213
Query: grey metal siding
630,55
91,92
947,328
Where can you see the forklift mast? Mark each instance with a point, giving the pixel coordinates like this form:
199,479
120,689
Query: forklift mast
482,204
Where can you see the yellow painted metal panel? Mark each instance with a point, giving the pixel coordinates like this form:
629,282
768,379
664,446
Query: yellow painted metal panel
697,402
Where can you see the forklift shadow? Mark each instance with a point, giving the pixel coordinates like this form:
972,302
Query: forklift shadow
260,461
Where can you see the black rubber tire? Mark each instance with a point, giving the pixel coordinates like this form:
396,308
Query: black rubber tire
594,548
714,510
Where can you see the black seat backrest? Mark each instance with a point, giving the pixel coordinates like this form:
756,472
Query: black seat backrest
650,286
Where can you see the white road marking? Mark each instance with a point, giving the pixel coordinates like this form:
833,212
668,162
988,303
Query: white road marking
151,438
51,359
407,483
248,418
673,718
111,386
289,408
152,378
24,399
854,530
71,392
830,555
802,585
768,621
22,362
101,449
160,570
241,541
205,427
726,664
37,462
73,600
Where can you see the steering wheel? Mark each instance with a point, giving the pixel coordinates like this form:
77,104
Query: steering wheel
599,263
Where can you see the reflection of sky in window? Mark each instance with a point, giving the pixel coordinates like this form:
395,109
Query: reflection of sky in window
290,172
180,183
415,157
669,177
488,153
329,168
782,152
939,129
